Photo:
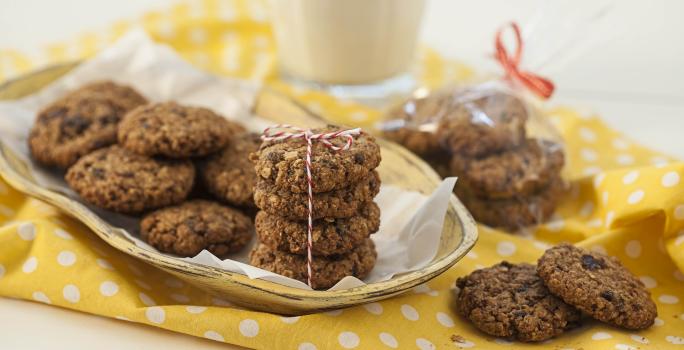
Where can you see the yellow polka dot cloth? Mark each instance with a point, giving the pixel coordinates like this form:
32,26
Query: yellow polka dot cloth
626,200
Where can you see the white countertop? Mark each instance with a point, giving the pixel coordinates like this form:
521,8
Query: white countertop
633,77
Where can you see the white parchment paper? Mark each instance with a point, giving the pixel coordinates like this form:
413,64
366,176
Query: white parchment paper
411,223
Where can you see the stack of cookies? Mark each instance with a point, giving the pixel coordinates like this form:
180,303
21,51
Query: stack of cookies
535,303
506,178
344,214
125,155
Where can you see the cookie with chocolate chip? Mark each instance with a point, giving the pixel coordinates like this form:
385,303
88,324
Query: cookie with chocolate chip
599,285
193,226
229,174
342,203
511,301
283,163
326,270
330,236
174,131
80,122
117,179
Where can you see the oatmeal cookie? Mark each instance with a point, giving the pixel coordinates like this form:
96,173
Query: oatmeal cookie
192,226
175,131
330,236
282,163
123,96
511,301
326,270
229,174
119,180
79,123
341,203
484,124
518,172
513,213
598,285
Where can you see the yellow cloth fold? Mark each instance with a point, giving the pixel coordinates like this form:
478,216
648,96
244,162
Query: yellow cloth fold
626,200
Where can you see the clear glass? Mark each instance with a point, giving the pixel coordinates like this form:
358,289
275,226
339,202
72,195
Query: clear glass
352,48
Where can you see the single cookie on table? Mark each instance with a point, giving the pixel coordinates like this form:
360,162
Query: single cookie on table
175,131
229,174
124,97
518,172
190,227
283,163
511,301
341,203
597,284
79,123
326,270
119,180
513,213
330,236
483,124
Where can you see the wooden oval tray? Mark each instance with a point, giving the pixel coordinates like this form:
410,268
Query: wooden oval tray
399,167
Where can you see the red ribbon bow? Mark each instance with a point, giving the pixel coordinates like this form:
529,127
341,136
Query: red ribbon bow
282,132
539,85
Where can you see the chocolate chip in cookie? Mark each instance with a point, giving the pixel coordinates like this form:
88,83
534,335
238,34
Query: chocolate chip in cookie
175,131
119,180
511,301
599,285
193,226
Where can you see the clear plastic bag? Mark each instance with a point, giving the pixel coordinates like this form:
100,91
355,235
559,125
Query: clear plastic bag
492,135
507,156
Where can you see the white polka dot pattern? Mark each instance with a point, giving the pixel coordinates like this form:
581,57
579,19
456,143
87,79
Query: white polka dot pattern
155,314
109,288
71,293
409,312
348,340
66,258
249,328
213,335
41,297
27,231
388,340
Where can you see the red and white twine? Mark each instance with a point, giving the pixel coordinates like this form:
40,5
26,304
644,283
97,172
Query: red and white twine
539,85
283,132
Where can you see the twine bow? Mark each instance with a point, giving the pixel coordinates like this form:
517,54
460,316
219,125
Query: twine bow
539,85
283,132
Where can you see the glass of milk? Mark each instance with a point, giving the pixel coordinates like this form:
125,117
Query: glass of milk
358,49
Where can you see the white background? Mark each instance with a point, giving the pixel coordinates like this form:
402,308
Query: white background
633,76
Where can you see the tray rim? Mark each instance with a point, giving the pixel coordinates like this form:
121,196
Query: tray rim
102,229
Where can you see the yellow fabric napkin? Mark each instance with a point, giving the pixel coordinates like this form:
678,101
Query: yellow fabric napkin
626,200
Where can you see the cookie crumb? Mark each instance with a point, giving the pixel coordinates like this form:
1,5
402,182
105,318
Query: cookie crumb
457,338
